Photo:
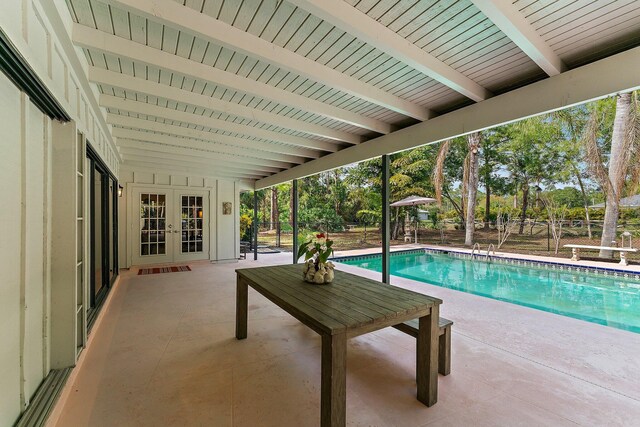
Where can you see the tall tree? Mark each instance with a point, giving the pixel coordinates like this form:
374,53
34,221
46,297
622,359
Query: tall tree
275,214
531,155
573,122
473,176
623,159
451,169
492,180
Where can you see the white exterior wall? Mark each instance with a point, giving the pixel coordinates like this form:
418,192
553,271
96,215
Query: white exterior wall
34,218
24,250
224,230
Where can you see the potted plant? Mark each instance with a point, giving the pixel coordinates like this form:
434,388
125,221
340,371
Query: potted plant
317,268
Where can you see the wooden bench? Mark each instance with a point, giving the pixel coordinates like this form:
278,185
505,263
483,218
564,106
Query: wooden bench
444,342
575,251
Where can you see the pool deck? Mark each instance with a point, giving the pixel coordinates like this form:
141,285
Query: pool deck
163,352
508,255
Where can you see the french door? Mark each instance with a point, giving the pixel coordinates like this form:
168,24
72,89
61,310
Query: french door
172,225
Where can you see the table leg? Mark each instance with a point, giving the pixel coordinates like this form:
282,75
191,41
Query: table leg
333,396
241,308
427,358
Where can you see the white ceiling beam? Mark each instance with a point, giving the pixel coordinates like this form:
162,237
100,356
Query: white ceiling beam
159,167
615,74
203,26
149,156
186,163
100,41
140,107
149,125
213,159
514,25
76,63
351,20
243,155
146,87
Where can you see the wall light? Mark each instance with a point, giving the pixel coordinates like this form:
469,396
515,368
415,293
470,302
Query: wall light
120,188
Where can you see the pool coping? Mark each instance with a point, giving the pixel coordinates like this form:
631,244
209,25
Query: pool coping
506,258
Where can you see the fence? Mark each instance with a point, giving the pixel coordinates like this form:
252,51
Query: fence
536,237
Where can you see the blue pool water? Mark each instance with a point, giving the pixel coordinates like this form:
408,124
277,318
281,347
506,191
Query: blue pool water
607,300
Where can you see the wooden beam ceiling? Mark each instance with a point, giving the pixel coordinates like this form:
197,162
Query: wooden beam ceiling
186,132
100,41
190,21
357,23
617,73
150,88
122,104
512,22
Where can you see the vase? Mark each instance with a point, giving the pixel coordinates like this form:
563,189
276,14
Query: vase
318,272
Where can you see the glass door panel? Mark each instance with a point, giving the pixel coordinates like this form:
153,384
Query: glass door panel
152,241
192,213
153,211
173,225
98,234
191,224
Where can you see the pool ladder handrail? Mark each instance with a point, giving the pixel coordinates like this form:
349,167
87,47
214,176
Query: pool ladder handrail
473,251
491,246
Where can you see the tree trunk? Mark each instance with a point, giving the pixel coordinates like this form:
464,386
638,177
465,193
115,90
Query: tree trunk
265,198
487,201
473,142
274,208
525,205
616,173
396,225
585,201
291,206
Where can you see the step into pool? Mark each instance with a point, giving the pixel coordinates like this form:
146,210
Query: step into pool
598,298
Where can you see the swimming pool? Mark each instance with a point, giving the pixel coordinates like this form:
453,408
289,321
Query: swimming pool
607,300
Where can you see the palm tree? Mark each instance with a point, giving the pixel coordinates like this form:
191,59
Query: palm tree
621,161
451,152
466,208
473,176
574,122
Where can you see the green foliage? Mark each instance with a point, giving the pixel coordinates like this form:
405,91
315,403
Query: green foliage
245,227
369,217
568,196
321,249
321,218
545,151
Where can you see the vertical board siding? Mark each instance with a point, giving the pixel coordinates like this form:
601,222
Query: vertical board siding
34,254
10,243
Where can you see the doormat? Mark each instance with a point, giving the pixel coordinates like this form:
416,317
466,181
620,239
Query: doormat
158,270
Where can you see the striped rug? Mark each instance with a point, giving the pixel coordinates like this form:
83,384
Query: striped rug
158,270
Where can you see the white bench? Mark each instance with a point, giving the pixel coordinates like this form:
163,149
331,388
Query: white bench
575,251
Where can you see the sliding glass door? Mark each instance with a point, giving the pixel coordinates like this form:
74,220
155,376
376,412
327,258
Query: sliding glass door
103,231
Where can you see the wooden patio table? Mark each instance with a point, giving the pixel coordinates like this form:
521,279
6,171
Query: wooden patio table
348,307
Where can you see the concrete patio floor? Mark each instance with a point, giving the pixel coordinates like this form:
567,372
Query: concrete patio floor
164,354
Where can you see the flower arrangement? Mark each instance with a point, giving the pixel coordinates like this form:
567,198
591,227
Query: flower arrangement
317,268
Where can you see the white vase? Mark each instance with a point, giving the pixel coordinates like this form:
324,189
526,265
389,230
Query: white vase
318,274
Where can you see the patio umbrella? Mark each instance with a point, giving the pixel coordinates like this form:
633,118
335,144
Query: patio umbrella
412,201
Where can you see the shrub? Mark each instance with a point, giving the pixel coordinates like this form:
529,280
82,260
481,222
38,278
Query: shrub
245,227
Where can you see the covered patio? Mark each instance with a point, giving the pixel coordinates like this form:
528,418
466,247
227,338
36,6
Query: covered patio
132,127
164,353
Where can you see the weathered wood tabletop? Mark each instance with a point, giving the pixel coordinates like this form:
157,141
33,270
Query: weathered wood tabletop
350,306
